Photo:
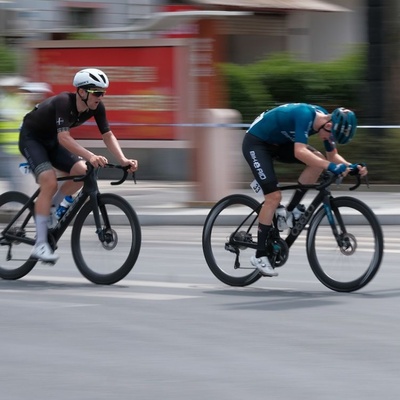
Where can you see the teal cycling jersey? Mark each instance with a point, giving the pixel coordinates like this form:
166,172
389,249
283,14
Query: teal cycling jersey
291,122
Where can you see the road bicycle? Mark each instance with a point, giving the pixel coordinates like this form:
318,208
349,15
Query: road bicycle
105,236
344,240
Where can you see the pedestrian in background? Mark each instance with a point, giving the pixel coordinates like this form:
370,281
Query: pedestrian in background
12,109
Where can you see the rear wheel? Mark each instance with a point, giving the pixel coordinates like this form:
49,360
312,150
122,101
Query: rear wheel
230,239
17,239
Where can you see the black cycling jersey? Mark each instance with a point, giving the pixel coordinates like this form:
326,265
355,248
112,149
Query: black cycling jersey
59,113
38,135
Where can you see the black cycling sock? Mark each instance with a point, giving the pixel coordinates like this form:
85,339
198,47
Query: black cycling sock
262,235
296,198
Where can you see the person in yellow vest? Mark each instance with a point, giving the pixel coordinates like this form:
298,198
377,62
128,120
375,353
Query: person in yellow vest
13,107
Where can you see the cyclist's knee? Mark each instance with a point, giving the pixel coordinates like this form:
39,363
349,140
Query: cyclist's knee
79,168
273,198
47,180
43,167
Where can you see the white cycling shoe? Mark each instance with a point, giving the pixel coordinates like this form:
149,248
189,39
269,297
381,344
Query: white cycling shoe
263,265
43,252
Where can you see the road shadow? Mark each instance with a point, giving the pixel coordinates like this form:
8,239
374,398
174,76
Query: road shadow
44,284
272,299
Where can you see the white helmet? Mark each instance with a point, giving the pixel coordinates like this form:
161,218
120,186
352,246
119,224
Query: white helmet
90,78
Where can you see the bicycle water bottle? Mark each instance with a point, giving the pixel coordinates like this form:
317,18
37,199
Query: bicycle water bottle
294,216
63,207
280,214
298,211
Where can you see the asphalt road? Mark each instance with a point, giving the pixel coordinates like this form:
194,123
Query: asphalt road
171,330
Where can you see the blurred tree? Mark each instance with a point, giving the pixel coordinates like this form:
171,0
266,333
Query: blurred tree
281,78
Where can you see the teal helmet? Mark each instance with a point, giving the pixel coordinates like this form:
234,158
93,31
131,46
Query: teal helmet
344,125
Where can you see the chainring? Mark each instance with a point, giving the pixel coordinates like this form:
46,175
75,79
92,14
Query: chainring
277,252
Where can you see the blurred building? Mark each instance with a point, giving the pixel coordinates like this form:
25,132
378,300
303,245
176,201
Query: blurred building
240,31
316,30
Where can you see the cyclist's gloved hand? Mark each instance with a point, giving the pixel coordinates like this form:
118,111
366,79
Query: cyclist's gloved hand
337,169
354,170
358,168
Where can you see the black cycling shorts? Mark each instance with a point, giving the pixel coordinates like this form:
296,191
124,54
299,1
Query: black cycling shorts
39,155
261,155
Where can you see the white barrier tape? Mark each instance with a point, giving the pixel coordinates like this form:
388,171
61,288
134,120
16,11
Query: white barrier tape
205,125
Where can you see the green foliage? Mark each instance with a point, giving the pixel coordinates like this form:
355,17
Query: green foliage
8,60
282,79
243,91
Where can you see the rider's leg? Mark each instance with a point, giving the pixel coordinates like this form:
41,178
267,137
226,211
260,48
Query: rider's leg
259,156
47,181
69,187
271,202
260,260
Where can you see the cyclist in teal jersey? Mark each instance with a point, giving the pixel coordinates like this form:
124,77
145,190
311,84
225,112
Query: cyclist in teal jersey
282,134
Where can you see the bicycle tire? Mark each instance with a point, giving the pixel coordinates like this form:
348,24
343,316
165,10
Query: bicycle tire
20,264
221,222
106,263
354,264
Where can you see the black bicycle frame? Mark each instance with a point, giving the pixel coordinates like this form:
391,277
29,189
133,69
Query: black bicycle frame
89,190
322,197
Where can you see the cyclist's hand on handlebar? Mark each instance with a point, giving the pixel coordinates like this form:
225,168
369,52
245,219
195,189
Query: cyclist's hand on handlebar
133,164
358,169
98,161
337,169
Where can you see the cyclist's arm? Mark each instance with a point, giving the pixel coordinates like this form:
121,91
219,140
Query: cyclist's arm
302,153
113,145
335,157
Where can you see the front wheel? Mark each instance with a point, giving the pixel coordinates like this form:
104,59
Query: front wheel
17,236
349,262
230,238
107,256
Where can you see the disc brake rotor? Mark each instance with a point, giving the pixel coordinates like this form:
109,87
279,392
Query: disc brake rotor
110,240
349,244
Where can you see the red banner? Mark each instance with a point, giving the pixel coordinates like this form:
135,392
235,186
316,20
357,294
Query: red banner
142,86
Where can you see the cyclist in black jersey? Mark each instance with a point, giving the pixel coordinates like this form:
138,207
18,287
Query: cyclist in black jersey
282,134
45,141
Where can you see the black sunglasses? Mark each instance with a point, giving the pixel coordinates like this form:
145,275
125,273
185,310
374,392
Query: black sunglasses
97,93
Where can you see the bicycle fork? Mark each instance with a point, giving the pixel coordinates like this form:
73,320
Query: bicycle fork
96,216
332,214
104,232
